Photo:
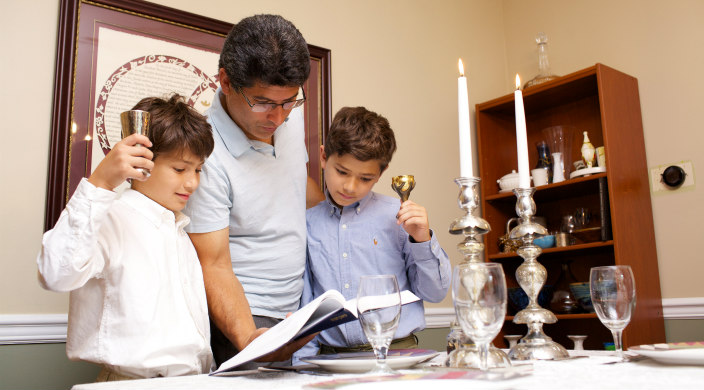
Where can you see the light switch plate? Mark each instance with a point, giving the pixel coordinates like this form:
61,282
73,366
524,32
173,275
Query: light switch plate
658,187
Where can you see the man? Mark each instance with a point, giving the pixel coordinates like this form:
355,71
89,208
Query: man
249,213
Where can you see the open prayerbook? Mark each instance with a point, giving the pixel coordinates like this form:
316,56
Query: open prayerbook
328,310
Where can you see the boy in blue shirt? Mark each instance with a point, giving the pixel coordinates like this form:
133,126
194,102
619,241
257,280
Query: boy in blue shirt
356,232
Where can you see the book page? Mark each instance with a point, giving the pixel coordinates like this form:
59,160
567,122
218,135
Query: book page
382,301
281,333
316,315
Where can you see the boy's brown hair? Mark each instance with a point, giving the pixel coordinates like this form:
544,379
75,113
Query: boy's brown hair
176,126
364,134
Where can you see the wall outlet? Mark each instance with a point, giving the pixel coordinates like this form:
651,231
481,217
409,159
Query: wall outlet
656,184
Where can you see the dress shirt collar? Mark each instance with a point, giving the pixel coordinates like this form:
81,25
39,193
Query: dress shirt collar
153,211
358,206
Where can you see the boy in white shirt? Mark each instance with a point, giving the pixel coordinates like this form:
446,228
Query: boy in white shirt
137,303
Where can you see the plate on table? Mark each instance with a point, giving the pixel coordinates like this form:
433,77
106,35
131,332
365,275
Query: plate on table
689,353
365,361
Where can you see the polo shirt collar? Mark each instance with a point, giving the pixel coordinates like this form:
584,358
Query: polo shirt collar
232,136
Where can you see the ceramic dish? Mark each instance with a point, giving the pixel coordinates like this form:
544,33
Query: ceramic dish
587,171
365,361
690,353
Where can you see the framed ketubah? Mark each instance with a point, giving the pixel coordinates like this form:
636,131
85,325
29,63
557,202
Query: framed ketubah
112,53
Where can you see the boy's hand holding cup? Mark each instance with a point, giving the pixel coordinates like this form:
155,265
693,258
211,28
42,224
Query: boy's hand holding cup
127,160
413,217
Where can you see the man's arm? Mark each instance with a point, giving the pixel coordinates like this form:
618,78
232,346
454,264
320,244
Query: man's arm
227,304
313,193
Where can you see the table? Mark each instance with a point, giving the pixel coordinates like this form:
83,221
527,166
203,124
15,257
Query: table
587,372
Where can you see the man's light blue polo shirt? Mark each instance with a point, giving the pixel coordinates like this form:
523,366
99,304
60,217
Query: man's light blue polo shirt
259,192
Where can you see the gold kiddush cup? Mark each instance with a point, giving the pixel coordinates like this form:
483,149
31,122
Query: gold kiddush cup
135,122
403,185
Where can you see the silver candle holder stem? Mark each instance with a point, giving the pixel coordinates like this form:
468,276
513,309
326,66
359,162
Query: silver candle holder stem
472,249
531,276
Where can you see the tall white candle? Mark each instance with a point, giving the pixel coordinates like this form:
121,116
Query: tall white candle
521,138
463,118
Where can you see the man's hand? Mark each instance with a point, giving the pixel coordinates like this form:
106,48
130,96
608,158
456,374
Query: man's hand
124,162
414,220
286,351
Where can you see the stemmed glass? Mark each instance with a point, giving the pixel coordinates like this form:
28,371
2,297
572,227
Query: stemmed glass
479,296
379,309
613,292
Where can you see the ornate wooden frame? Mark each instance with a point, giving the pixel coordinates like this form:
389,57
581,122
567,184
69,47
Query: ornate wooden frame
72,97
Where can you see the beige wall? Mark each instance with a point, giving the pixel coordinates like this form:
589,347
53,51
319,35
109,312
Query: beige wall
398,58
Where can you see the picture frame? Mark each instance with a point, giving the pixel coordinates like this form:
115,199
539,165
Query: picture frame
104,49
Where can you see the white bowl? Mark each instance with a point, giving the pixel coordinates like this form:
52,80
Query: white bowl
509,181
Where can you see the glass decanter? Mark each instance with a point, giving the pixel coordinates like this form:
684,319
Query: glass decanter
543,64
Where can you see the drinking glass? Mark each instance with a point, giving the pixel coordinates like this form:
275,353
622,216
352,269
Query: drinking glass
479,296
136,122
613,292
379,309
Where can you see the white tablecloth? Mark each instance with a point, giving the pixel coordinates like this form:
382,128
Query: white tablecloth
573,374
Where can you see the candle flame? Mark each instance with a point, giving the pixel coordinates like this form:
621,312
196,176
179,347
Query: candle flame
518,81
74,128
461,66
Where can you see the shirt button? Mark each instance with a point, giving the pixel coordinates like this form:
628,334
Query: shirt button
347,285
344,226
344,255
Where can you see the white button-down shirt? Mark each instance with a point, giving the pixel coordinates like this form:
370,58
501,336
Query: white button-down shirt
137,303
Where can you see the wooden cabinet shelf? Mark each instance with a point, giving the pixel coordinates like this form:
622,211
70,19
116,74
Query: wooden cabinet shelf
605,103
554,190
588,248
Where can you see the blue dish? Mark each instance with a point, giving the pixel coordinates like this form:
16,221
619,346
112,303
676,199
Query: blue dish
582,295
545,241
519,300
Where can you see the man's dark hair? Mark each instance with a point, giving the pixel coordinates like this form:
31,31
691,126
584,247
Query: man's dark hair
266,48
176,126
364,134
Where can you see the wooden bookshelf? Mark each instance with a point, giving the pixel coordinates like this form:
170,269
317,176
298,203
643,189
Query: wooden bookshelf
605,103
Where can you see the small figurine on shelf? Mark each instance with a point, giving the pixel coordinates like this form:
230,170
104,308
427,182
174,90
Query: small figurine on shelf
543,65
588,151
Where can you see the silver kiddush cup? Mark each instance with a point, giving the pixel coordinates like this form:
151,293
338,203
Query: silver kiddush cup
136,122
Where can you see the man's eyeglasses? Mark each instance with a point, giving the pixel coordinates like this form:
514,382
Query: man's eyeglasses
266,107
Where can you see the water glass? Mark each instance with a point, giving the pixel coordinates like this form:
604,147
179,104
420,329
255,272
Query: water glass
379,309
479,296
613,292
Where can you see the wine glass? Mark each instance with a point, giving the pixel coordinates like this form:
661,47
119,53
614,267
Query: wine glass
479,296
379,309
613,292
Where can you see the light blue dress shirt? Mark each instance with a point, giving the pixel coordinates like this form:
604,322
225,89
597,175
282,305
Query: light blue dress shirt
364,239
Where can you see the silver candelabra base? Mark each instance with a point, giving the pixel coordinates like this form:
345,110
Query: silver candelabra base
531,276
472,227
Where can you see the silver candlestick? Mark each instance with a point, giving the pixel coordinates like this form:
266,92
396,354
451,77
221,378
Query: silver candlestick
471,226
531,276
